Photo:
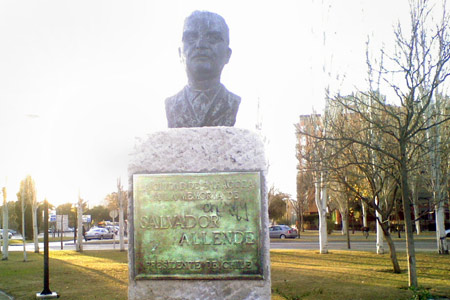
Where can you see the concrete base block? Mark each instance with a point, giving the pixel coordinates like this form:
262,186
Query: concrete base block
53,295
200,150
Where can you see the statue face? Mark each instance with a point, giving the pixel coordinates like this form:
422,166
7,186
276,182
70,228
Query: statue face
205,48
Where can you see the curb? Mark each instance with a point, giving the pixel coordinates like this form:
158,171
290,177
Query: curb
4,296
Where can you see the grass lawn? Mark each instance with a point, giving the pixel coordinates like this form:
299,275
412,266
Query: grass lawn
296,274
306,274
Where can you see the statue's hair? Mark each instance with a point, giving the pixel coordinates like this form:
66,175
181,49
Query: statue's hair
211,16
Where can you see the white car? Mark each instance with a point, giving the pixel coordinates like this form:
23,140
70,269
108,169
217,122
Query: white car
9,234
98,233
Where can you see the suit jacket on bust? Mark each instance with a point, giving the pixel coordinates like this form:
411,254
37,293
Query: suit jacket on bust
214,107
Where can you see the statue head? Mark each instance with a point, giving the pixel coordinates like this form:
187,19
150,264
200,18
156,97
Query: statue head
204,49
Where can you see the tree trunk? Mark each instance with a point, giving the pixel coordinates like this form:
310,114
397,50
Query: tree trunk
380,241
79,245
300,220
121,221
5,226
35,227
320,198
393,253
23,222
348,231
406,201
364,213
302,223
442,245
415,194
344,223
438,201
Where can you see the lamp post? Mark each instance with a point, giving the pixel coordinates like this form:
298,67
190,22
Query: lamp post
46,292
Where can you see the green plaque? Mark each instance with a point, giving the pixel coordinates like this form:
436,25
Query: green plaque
197,225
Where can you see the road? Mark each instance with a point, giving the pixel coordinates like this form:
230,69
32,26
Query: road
361,245
429,245
68,245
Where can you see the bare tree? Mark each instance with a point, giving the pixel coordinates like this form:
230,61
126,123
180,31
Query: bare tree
305,175
357,172
305,196
309,129
414,72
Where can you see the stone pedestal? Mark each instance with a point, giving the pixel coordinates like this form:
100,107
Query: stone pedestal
200,150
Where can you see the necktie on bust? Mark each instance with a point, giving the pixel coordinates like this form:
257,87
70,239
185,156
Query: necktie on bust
201,104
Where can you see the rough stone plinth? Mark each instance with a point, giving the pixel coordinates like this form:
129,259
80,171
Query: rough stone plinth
191,150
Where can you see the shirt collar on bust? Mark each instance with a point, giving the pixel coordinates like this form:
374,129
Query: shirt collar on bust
210,93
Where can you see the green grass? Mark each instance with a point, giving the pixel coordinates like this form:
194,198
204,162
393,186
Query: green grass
296,274
90,275
306,274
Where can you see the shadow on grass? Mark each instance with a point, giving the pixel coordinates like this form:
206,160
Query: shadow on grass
101,277
345,271
354,258
112,255
73,275
326,285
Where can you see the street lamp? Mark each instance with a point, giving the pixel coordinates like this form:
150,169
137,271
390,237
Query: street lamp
46,292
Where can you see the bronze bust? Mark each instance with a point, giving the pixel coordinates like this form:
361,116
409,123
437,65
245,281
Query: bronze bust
204,101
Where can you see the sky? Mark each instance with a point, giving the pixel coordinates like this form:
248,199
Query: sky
80,80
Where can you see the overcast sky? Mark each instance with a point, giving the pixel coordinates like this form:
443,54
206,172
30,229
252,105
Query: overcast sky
79,80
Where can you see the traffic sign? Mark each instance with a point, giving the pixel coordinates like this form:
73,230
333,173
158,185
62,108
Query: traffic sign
114,213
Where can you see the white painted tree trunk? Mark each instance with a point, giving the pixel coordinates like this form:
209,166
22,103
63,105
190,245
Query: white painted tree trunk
321,207
5,226
380,235
23,223
440,228
35,227
121,221
344,223
437,195
415,195
364,213
79,244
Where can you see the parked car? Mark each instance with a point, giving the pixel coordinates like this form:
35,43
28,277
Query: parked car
282,232
447,233
9,234
114,229
98,233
